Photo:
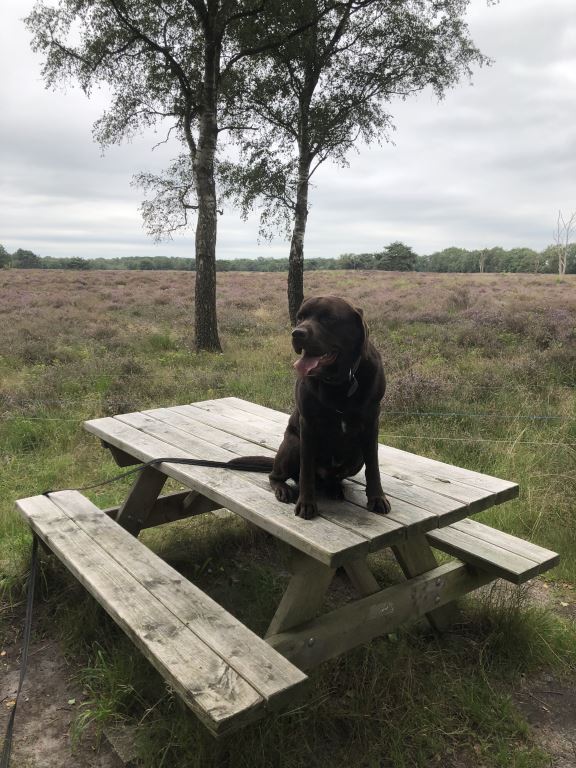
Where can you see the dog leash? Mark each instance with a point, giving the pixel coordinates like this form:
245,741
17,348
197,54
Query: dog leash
7,748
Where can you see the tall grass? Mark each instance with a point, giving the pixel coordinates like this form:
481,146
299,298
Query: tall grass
471,361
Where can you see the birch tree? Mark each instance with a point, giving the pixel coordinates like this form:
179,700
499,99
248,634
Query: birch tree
171,62
314,97
565,228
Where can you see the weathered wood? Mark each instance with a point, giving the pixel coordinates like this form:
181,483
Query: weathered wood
412,507
303,596
355,623
217,694
352,516
498,553
121,458
236,491
145,490
172,507
443,501
418,469
242,652
361,577
416,558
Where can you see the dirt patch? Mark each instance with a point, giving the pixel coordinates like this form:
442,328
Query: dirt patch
48,705
549,704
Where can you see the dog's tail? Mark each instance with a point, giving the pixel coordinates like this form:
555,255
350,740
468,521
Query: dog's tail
256,463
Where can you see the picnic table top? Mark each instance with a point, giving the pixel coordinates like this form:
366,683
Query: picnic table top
425,494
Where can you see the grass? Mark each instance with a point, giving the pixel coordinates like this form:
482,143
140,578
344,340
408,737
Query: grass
484,354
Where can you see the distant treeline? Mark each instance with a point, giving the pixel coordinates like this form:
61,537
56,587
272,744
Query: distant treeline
394,257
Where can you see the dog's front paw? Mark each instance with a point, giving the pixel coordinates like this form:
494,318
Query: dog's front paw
285,493
379,505
306,509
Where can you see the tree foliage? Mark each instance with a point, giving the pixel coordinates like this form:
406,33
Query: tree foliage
316,96
179,63
397,257
5,258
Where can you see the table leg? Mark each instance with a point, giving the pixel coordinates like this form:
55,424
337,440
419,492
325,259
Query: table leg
303,596
415,557
141,499
361,577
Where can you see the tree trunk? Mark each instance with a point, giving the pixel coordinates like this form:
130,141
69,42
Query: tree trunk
296,258
206,324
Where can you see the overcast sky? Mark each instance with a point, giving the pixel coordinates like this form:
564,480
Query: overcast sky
489,165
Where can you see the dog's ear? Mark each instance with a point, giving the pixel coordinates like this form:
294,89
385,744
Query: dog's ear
366,332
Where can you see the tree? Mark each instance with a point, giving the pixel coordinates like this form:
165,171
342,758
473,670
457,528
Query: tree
397,257
316,95
5,258
177,62
562,238
22,259
78,263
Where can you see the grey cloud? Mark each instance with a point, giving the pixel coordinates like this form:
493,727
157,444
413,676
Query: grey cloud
491,164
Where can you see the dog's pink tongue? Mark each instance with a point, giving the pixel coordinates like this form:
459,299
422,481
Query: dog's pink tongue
305,364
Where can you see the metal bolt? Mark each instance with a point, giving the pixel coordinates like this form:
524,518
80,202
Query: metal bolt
311,641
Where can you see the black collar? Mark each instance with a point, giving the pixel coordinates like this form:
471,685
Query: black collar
352,380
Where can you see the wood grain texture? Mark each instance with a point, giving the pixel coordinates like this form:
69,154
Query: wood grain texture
501,554
221,698
345,628
418,468
236,491
403,480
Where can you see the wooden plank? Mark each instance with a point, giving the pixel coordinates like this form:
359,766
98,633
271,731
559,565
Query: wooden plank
505,540
244,651
345,628
269,434
255,409
328,543
220,697
358,520
353,516
475,498
488,556
410,464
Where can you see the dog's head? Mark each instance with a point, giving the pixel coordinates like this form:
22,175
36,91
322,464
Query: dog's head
331,337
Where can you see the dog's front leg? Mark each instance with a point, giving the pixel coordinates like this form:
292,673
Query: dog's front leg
306,505
377,501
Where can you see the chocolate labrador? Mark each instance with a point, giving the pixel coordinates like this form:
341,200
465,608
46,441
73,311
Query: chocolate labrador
333,430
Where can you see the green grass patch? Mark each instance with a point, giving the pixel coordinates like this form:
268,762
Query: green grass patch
481,357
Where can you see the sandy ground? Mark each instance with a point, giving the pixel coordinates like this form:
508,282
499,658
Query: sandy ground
48,703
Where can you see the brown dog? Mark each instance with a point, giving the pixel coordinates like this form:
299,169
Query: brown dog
333,430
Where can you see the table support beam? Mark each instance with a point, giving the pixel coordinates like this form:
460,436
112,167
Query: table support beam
303,597
416,557
356,623
133,513
361,577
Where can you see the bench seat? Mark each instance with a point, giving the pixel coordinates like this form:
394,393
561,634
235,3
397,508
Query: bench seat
503,555
224,672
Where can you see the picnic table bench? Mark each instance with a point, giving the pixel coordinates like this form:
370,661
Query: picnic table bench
225,673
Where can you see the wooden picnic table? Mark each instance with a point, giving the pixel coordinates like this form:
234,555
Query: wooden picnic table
225,673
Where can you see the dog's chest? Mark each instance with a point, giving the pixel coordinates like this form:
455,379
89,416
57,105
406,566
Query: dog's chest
341,427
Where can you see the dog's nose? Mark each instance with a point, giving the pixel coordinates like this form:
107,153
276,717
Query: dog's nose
299,334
